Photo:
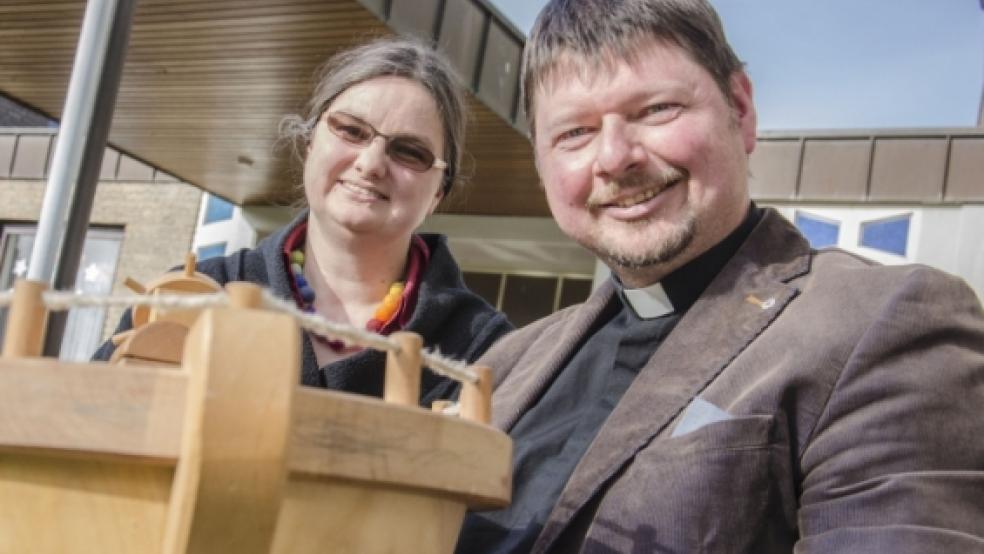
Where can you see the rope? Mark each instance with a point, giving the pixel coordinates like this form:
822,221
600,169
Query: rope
367,339
338,331
60,301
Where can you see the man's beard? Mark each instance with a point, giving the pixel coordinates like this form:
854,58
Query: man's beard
665,249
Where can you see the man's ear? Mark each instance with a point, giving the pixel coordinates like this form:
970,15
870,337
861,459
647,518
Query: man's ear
744,106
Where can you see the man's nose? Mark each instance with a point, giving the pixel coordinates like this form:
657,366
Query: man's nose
619,150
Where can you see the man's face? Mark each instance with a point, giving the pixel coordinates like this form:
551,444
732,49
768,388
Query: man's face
645,164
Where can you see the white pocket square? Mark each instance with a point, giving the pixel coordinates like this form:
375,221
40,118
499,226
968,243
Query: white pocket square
699,413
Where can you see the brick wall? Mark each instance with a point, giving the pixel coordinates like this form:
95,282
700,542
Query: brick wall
158,221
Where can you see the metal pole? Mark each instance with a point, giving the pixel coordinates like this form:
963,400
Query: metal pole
80,101
78,154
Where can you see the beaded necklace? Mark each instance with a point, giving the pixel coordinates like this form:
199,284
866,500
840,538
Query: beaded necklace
384,312
392,313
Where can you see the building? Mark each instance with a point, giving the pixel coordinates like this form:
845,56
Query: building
205,84
143,222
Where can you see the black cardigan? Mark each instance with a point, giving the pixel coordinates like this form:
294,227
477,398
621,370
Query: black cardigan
449,317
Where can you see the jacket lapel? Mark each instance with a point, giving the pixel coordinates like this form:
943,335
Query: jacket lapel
515,395
748,294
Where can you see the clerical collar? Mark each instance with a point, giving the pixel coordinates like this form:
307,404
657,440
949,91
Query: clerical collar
680,289
648,302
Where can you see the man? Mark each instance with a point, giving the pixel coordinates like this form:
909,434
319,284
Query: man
729,389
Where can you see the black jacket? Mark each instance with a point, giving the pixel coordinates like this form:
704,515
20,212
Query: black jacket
449,317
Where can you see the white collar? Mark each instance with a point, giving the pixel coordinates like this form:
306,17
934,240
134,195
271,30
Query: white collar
648,302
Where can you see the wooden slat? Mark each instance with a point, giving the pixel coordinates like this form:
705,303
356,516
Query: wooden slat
205,84
137,413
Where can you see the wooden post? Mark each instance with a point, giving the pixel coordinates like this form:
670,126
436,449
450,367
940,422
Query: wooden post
230,479
244,295
403,370
190,261
26,321
476,398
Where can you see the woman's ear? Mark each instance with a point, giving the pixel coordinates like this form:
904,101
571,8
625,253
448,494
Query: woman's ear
436,201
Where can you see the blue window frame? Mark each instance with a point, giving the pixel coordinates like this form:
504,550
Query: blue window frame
888,235
211,251
217,209
820,232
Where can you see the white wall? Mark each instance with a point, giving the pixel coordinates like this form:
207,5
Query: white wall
950,238
236,232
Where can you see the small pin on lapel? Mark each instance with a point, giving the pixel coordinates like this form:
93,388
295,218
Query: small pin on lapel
763,304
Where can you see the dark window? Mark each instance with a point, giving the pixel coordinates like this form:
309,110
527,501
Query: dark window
527,299
574,291
485,285
97,269
820,232
211,251
217,209
888,235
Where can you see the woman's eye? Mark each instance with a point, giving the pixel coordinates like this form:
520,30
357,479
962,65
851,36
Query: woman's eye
353,132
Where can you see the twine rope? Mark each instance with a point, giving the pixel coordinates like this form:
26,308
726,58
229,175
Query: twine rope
348,334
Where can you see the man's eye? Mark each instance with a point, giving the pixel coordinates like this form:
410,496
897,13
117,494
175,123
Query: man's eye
571,136
659,111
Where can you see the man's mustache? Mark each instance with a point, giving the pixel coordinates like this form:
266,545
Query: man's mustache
635,181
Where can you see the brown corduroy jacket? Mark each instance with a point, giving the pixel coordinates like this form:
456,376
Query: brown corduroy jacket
853,403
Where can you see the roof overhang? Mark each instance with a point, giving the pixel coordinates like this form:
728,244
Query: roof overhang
205,85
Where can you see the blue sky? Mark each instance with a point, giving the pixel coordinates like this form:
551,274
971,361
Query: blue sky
840,64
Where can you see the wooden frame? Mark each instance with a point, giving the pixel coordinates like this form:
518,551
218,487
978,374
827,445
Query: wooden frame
227,453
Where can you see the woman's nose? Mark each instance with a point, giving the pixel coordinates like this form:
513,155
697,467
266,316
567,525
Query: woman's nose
372,160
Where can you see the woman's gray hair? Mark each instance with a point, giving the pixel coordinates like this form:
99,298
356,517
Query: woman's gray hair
389,57
587,35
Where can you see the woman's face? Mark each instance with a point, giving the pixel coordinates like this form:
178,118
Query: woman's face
363,189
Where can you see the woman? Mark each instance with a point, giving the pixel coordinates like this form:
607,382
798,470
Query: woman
382,145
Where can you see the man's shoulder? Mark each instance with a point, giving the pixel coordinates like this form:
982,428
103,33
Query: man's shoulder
852,274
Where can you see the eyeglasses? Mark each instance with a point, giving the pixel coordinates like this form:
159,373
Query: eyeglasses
406,150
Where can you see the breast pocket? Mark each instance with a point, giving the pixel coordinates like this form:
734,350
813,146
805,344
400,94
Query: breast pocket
725,487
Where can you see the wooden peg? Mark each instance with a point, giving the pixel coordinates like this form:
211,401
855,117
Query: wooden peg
244,295
134,285
403,370
190,261
476,398
26,321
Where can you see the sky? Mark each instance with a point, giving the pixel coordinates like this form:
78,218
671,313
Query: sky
843,64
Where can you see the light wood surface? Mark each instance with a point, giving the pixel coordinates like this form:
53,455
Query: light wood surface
67,505
345,518
26,320
158,341
236,431
402,382
133,412
476,398
229,454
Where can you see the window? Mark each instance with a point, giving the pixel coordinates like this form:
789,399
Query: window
526,298
888,235
97,269
217,209
211,251
819,231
